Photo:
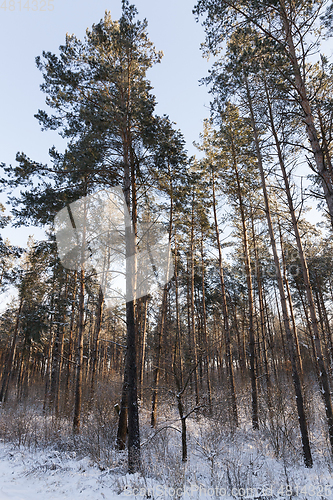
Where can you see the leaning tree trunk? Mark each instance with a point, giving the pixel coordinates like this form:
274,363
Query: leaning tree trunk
291,347
324,173
323,377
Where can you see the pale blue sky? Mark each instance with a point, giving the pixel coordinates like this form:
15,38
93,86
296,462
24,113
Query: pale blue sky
25,34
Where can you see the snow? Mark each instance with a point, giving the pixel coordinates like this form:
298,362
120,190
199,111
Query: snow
26,475
222,464
53,475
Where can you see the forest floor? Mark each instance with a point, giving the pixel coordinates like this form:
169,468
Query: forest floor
41,460
52,475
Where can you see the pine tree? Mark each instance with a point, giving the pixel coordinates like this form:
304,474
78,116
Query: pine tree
286,35
101,102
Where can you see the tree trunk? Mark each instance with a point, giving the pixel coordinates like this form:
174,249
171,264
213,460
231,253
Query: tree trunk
79,358
97,330
158,357
129,402
70,340
193,328
323,172
323,380
297,384
161,327
225,313
254,389
9,364
177,354
143,347
262,323
205,338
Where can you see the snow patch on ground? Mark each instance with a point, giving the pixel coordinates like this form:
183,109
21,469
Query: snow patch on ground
220,465
51,475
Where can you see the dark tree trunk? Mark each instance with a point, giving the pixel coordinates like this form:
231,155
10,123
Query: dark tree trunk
129,401
158,357
10,361
97,330
79,359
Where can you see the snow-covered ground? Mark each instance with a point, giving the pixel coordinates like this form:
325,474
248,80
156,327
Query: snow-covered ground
54,475
222,463
51,476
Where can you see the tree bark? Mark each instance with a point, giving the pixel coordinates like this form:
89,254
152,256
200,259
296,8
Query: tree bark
204,321
9,364
193,326
296,379
79,358
253,374
97,330
322,170
225,312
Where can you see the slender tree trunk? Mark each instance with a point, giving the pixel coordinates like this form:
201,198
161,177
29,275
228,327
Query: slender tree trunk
297,384
183,423
291,308
280,326
122,424
61,349
225,313
324,382
325,146
10,361
193,326
49,357
178,365
254,389
158,357
262,323
143,347
326,322
70,340
79,358
161,328
323,171
204,329
97,330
